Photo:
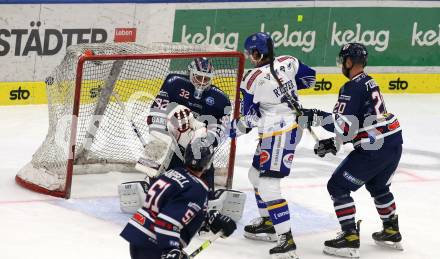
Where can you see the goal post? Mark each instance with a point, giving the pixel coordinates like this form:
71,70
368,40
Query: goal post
88,131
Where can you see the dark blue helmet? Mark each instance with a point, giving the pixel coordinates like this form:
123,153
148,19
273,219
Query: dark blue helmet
357,52
259,41
199,154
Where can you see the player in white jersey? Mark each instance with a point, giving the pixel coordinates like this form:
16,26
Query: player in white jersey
265,90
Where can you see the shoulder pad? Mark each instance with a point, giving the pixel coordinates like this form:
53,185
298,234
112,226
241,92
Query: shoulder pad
286,57
221,96
174,77
250,78
246,75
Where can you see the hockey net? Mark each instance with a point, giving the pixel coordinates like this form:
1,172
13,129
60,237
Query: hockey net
90,132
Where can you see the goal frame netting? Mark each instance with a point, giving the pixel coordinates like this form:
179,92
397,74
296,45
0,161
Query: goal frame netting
66,193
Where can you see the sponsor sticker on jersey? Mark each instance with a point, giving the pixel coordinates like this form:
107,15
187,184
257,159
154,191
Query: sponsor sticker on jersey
210,101
264,157
393,125
139,218
287,160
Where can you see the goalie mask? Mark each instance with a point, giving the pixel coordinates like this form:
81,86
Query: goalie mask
200,74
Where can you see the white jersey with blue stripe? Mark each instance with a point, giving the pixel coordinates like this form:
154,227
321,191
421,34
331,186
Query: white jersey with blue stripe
262,95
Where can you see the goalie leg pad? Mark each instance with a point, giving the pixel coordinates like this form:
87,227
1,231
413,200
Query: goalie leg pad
158,154
132,195
228,202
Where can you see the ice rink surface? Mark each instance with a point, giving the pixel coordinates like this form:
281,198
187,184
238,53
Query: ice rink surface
35,226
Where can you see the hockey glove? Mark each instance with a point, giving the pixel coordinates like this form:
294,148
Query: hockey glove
174,254
238,127
325,146
311,118
219,222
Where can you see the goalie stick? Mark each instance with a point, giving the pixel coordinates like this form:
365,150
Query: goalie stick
124,111
205,245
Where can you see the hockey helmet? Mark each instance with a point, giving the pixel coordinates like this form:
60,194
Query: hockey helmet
201,72
199,154
258,41
357,52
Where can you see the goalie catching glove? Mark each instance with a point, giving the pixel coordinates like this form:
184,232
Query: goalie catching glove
179,127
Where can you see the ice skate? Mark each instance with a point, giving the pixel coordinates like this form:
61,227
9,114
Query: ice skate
346,244
260,229
285,248
390,235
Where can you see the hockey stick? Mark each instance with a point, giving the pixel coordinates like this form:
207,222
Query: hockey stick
296,107
205,245
124,111
291,102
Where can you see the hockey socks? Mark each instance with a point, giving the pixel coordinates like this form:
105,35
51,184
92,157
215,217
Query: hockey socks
385,206
279,214
345,211
262,208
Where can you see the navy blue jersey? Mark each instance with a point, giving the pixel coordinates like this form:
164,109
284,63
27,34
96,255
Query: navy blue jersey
174,211
213,108
361,116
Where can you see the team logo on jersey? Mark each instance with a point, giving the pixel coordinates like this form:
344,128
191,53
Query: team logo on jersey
287,160
267,77
264,157
210,101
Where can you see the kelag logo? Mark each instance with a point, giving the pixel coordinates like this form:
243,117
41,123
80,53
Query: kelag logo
323,85
19,94
398,84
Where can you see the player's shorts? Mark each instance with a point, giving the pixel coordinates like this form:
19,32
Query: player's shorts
373,168
275,152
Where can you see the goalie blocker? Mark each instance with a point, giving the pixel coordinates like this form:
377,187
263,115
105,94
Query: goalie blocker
228,202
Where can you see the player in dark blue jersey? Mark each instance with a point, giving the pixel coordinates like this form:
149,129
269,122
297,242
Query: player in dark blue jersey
360,118
175,209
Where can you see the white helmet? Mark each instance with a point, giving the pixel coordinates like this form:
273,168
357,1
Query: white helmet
201,72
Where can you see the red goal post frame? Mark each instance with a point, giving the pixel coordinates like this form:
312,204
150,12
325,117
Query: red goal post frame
83,58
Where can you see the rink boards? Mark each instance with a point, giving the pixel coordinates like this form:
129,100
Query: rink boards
22,93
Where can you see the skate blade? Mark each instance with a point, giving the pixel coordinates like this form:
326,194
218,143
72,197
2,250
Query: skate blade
261,237
288,255
389,244
342,252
